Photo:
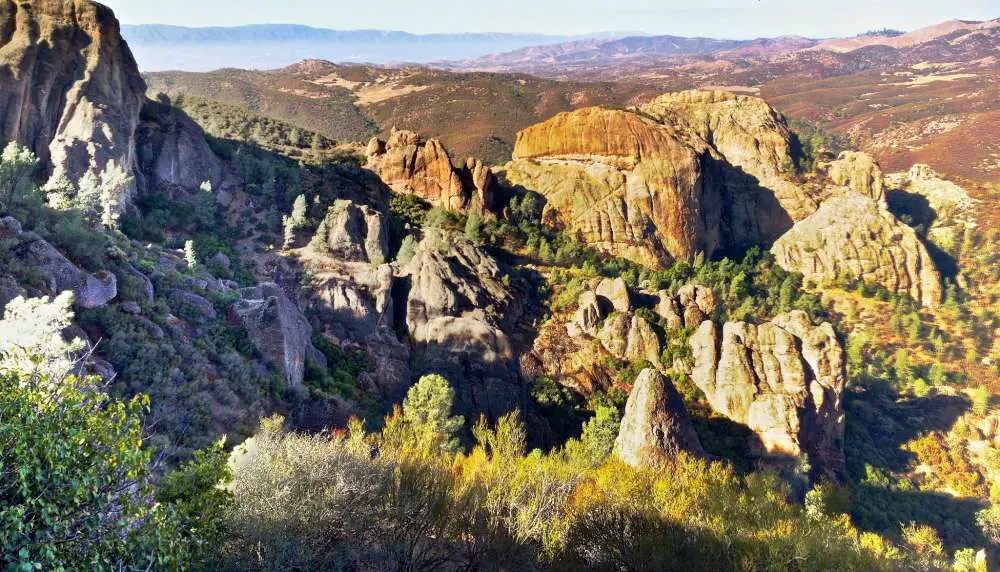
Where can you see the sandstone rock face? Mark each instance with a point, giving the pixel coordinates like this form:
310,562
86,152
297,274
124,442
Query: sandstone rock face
853,235
173,153
411,165
69,86
656,425
89,290
622,182
689,308
478,179
859,172
278,330
615,290
457,314
783,379
688,173
356,233
748,132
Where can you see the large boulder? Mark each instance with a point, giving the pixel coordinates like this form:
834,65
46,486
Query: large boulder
783,379
656,425
59,274
69,86
852,235
692,305
278,329
354,232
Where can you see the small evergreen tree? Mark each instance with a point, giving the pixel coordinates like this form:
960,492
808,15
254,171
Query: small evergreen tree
298,217
427,407
59,190
190,255
17,164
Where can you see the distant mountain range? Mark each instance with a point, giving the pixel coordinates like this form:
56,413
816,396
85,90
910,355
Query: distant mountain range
268,46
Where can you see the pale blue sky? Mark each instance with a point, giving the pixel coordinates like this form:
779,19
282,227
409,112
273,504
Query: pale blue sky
713,18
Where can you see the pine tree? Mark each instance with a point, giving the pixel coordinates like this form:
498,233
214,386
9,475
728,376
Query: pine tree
289,230
298,218
17,164
190,255
59,190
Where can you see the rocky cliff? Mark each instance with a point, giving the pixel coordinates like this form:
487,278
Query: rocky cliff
690,172
853,236
411,165
69,86
783,379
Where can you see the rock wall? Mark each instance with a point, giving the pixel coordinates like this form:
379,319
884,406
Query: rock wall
852,235
172,152
783,379
69,86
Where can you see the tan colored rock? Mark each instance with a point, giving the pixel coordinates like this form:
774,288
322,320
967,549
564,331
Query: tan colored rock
479,185
669,308
631,338
354,232
656,425
590,312
689,308
616,291
858,172
69,86
412,166
622,182
853,235
783,379
748,132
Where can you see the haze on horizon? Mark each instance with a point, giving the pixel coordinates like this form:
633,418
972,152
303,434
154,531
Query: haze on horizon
734,19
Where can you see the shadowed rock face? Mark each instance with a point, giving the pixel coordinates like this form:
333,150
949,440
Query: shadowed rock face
782,379
59,274
457,314
277,328
853,235
656,425
69,86
172,152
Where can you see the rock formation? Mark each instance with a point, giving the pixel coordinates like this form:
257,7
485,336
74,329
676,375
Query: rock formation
69,86
858,172
852,235
90,290
355,233
689,308
783,379
656,425
278,330
458,313
621,182
172,152
748,132
410,165
688,173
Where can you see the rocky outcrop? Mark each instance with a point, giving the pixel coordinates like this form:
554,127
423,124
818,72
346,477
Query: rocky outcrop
783,379
689,308
353,232
69,86
278,329
631,338
656,425
621,182
689,173
172,152
748,133
410,165
458,312
59,274
858,172
943,208
615,291
851,235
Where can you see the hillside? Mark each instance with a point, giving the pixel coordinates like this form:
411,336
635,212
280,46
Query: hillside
352,103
